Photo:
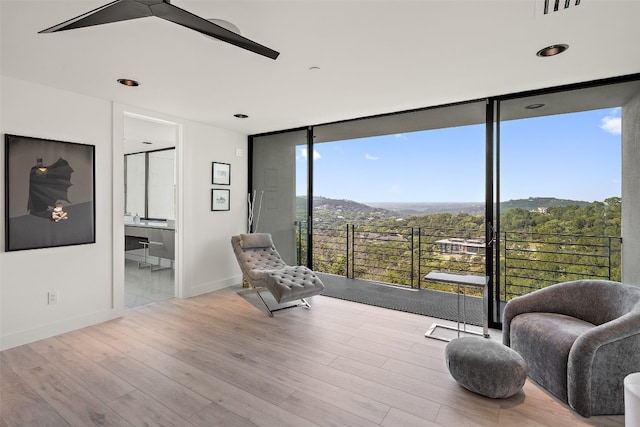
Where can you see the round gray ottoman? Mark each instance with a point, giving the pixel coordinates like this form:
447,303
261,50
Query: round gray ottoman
485,367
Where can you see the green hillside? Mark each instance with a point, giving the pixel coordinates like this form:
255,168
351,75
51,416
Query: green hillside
565,241
533,203
326,209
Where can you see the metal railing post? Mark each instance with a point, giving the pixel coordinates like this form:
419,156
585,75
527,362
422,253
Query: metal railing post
506,249
609,257
412,258
299,242
353,251
347,256
419,257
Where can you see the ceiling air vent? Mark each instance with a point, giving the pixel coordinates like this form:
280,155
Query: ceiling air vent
557,5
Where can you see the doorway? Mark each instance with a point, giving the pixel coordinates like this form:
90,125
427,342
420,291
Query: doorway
150,210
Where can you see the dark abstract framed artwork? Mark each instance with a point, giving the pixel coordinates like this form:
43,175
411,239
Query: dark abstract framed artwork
49,193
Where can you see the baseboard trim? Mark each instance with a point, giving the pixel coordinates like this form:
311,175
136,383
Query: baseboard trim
213,286
52,329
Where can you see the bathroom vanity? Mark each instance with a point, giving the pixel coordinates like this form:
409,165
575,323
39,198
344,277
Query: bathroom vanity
159,235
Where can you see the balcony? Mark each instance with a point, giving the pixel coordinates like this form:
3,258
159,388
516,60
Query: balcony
401,257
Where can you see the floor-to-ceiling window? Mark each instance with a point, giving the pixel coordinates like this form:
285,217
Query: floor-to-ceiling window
558,187
545,137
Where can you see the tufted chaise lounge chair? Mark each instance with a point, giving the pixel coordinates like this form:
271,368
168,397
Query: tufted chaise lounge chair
264,269
580,339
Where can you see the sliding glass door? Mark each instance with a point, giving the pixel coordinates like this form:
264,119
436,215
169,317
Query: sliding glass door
559,187
399,196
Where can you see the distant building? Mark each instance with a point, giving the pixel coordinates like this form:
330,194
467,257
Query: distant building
541,209
456,245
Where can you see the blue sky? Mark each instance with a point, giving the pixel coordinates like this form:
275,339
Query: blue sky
571,156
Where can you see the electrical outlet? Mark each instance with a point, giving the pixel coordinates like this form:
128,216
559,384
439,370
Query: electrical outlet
239,152
53,297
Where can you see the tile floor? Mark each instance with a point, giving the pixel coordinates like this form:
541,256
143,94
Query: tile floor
143,286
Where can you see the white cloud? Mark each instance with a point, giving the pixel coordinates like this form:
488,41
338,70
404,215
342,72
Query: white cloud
370,157
612,123
316,155
401,136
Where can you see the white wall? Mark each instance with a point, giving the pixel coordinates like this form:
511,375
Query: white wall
208,260
90,278
630,191
81,274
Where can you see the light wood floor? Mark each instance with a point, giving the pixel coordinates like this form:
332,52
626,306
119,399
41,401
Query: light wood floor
216,360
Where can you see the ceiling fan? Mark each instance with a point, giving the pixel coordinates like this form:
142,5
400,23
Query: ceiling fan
122,10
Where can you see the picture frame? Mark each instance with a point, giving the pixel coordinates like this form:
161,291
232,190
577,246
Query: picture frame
220,199
49,193
220,173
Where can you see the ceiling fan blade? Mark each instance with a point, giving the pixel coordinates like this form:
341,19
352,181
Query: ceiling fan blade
119,10
187,19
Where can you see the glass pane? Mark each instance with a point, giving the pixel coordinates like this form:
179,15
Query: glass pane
161,185
302,211
560,198
135,184
398,196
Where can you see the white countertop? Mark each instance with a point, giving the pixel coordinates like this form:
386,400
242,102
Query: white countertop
150,224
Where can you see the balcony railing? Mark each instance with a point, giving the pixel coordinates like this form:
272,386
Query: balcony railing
403,255
534,260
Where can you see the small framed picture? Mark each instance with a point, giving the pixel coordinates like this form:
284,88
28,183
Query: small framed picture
220,173
219,199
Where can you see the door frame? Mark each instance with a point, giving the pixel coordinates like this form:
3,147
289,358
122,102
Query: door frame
119,112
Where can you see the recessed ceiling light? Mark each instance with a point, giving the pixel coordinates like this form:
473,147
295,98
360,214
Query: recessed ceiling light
128,82
552,50
240,116
534,106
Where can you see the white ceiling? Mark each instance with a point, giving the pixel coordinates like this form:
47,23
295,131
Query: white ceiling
144,134
374,56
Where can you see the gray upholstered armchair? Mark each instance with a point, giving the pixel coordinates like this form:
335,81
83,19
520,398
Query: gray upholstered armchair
579,339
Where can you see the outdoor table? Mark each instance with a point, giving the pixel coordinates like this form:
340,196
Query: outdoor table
462,281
